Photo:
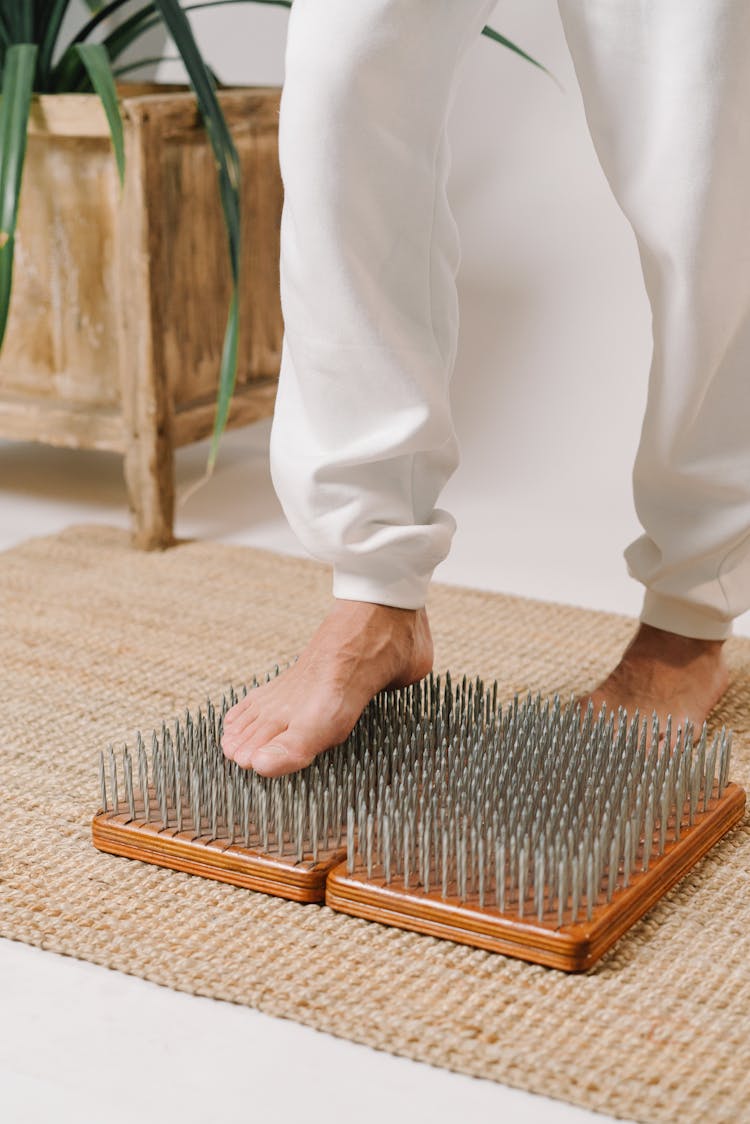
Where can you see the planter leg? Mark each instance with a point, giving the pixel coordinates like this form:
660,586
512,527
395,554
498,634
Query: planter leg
146,398
149,476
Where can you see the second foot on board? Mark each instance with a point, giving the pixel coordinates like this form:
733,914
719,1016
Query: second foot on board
665,673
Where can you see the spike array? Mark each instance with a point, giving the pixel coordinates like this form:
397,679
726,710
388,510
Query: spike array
183,787
534,812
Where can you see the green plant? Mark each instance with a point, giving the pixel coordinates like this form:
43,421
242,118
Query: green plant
34,60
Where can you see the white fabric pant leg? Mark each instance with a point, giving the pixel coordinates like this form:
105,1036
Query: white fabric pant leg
362,440
666,90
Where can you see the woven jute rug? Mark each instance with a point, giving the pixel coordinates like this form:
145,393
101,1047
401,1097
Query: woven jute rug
99,640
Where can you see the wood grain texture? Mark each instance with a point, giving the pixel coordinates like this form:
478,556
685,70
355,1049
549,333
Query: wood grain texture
59,421
572,947
146,395
120,300
249,867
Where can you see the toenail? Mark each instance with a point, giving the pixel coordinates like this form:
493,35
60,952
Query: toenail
274,748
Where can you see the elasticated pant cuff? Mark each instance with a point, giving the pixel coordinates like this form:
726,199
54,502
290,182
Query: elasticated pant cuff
401,593
678,616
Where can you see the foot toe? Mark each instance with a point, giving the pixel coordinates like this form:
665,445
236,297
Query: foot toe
261,733
241,729
285,753
236,712
272,760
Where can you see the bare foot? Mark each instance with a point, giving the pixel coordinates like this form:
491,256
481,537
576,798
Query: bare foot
358,650
663,672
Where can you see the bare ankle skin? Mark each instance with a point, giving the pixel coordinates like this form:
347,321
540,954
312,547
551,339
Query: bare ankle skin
359,649
667,673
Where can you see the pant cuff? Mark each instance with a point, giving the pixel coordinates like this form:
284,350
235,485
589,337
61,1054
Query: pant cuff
400,593
673,615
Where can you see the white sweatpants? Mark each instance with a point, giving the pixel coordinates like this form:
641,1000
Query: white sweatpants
362,441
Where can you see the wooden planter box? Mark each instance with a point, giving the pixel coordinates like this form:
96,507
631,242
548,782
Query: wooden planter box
120,300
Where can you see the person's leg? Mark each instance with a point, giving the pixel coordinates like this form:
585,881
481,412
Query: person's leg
362,441
666,89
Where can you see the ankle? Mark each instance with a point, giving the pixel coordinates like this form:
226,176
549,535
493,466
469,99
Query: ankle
672,649
372,614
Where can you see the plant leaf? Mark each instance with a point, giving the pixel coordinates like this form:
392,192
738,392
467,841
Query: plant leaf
96,60
228,372
68,72
492,34
153,61
131,29
20,18
219,3
101,12
228,165
18,83
50,32
5,29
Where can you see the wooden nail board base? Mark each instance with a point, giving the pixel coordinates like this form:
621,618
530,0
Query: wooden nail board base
573,947
251,867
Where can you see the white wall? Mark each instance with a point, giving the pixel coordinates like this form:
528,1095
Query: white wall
555,328
555,337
